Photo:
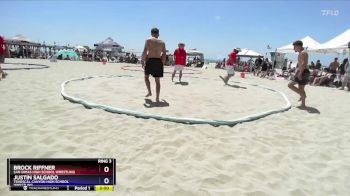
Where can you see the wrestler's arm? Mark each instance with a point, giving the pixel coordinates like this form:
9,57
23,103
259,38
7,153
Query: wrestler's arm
144,53
163,54
174,56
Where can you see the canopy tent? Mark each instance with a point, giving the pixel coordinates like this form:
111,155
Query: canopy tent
245,52
108,44
20,37
308,42
80,48
21,40
194,52
58,47
66,53
338,44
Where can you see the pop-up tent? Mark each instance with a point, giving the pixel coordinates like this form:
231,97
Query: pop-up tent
338,44
21,40
80,48
69,53
248,53
20,37
108,44
308,43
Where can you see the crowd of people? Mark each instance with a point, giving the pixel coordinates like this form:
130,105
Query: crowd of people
335,75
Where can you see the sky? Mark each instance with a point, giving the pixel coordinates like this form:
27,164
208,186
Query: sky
213,27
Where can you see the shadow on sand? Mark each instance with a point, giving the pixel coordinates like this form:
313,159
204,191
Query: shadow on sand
309,109
236,86
182,83
150,104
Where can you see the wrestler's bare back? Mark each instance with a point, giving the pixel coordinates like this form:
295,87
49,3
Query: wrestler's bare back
154,48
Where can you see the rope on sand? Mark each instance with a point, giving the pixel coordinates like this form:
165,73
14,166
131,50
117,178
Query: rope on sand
137,68
90,105
34,66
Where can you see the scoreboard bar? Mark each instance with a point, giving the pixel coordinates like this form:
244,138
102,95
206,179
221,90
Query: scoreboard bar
96,174
62,188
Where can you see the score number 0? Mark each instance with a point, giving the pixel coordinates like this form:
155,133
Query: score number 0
106,170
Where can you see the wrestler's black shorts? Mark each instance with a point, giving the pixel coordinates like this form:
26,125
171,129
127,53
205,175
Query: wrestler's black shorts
304,77
154,67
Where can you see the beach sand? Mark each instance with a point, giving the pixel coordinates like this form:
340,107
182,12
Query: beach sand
294,153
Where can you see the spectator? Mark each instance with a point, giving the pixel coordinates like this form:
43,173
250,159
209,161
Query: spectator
334,66
318,65
346,79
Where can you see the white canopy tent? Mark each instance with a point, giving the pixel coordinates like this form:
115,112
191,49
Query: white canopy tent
338,45
194,52
308,43
245,52
80,48
20,37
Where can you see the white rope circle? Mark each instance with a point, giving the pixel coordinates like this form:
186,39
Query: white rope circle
186,120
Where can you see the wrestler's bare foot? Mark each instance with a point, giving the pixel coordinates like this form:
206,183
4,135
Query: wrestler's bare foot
157,100
302,106
148,95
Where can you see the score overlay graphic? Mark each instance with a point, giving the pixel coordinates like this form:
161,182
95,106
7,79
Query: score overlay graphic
91,174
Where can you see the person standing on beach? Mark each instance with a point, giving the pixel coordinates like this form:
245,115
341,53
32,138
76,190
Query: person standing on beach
3,53
333,66
180,60
230,65
153,59
346,79
302,74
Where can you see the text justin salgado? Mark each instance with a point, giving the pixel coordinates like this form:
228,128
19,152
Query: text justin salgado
36,177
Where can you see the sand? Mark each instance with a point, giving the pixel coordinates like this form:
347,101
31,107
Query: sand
296,153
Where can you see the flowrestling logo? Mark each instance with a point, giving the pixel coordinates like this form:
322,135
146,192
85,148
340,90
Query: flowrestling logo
330,12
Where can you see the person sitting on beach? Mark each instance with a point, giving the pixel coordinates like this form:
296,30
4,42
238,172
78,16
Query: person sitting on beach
318,65
230,65
60,57
4,52
153,60
180,60
312,66
67,58
346,78
324,79
314,74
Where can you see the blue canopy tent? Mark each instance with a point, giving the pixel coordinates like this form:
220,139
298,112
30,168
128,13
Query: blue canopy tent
71,54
